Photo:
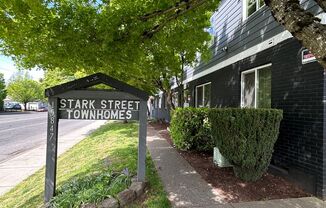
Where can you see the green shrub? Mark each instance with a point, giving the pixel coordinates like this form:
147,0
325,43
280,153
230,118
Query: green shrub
246,137
190,129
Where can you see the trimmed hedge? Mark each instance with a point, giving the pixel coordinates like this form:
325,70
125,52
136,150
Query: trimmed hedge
246,137
190,129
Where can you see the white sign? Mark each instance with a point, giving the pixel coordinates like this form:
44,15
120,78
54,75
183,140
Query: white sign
307,56
99,109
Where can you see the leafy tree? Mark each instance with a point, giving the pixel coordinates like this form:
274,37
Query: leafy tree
144,42
56,77
23,89
3,92
138,41
303,25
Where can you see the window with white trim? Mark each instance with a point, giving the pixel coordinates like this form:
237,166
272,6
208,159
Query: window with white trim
186,98
203,95
251,6
256,87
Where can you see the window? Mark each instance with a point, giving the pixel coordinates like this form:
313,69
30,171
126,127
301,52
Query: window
186,98
203,95
251,6
256,87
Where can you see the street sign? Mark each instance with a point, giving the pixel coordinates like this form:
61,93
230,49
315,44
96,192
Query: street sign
73,100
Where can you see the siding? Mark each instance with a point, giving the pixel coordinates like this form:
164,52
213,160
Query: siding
238,35
296,89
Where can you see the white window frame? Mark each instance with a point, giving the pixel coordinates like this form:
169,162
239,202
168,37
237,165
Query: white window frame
185,104
202,85
245,9
253,70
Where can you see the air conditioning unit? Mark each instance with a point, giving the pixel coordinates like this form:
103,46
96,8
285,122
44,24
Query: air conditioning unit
219,160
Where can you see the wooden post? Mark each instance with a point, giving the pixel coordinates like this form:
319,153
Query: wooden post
142,141
76,90
51,149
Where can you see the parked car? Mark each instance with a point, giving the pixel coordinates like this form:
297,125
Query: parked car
13,107
42,109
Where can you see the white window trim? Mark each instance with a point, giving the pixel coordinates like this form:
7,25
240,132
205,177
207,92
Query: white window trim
185,98
245,11
255,70
202,85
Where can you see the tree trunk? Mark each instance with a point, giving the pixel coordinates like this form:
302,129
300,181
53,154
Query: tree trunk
302,25
169,102
322,4
25,106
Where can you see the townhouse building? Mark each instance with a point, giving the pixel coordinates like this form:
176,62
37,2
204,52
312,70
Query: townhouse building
257,63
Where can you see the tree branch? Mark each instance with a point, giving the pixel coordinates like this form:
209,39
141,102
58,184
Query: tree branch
173,8
302,25
178,13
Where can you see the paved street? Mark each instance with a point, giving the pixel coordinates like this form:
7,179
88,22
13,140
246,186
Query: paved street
23,143
20,132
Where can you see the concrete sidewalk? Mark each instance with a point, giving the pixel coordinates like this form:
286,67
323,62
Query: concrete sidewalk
186,188
15,170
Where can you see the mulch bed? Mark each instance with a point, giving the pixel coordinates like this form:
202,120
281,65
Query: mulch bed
232,189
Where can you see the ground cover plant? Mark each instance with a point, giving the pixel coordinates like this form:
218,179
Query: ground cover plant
91,189
105,154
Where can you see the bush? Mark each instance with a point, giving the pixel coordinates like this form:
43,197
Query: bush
190,129
246,137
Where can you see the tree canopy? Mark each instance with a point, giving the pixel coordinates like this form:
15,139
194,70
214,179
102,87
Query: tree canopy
139,41
22,88
143,42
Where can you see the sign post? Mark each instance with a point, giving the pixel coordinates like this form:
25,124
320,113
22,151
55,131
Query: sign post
73,101
51,149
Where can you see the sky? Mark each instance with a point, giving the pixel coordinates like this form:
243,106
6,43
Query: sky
8,68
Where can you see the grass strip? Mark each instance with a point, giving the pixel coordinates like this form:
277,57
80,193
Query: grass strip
113,146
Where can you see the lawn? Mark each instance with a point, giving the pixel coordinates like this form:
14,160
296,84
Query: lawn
111,148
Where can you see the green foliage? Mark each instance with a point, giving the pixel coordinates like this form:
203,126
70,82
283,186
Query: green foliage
246,137
112,146
137,41
190,129
3,92
56,77
90,189
22,88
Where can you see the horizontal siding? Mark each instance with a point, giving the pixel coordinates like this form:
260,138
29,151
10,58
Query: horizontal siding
238,35
230,12
297,89
311,6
